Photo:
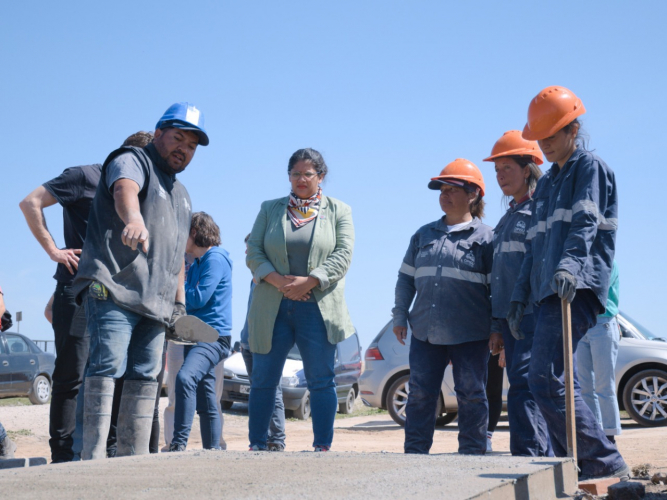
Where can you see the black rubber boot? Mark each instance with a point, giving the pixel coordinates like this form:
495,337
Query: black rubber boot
135,417
98,399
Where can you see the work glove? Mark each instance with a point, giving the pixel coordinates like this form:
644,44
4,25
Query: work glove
514,317
564,284
179,310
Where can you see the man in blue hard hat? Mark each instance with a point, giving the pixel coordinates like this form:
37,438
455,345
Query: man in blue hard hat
130,277
74,190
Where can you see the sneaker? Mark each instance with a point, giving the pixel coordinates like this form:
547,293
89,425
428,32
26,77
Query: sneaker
624,473
223,444
489,448
7,449
276,447
256,447
176,447
321,447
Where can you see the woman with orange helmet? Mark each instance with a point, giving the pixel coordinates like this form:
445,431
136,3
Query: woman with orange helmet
569,253
447,267
517,171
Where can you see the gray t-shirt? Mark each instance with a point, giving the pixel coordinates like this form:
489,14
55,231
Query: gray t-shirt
298,241
125,166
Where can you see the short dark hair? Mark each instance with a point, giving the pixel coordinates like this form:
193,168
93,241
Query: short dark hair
140,139
206,231
311,155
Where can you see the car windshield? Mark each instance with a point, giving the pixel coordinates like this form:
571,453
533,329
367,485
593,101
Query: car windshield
644,332
294,353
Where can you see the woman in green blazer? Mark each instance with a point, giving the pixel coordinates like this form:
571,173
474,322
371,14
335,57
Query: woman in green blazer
299,251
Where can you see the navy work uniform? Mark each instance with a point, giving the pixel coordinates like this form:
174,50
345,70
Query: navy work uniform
573,228
448,271
528,430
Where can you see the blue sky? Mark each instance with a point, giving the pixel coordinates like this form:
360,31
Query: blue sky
389,92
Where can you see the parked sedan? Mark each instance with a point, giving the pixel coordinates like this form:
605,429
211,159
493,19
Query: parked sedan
641,376
25,370
347,368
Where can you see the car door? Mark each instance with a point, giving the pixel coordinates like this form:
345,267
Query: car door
5,369
22,362
348,365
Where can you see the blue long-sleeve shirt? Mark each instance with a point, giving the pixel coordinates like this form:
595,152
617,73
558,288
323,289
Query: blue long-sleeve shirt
509,249
449,274
573,228
208,290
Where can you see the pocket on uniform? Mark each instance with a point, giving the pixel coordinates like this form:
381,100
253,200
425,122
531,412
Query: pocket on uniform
135,273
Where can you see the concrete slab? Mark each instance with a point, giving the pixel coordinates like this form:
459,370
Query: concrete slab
249,475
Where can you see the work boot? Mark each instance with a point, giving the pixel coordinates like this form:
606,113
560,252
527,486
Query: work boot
135,417
7,448
97,402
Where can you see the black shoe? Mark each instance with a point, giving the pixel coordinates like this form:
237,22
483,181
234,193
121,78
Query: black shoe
276,447
611,439
176,447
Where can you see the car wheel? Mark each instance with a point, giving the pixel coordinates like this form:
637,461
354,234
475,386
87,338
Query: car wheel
41,390
645,398
226,405
397,398
303,411
348,406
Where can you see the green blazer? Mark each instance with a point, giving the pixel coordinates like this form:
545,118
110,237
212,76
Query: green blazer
328,261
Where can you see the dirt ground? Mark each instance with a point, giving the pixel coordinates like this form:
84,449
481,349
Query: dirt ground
28,426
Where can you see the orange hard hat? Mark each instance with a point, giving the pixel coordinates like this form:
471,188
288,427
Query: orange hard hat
459,170
512,144
551,110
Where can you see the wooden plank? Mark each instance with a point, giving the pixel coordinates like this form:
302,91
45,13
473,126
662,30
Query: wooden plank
570,423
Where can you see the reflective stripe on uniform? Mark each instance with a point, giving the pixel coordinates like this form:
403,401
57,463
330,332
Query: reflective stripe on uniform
511,246
406,269
452,272
591,207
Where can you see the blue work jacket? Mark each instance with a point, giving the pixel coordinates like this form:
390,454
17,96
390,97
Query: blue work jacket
449,274
509,248
573,228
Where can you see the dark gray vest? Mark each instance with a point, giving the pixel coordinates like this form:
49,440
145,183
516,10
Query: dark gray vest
145,284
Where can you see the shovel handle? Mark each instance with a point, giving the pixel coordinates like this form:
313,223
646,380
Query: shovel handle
570,423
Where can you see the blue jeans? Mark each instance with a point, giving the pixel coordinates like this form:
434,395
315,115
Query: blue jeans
529,435
427,369
3,433
300,323
596,362
277,425
597,456
122,342
195,388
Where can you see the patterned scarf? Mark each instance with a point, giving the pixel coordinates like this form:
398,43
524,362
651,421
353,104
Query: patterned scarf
303,211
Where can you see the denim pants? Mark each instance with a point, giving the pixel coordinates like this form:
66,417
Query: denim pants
529,436
300,323
195,389
3,433
277,424
597,456
596,362
427,369
72,343
122,342
175,358
494,391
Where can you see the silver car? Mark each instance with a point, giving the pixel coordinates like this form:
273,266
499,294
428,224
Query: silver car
641,376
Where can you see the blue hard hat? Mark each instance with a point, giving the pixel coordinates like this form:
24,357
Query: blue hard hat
185,116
